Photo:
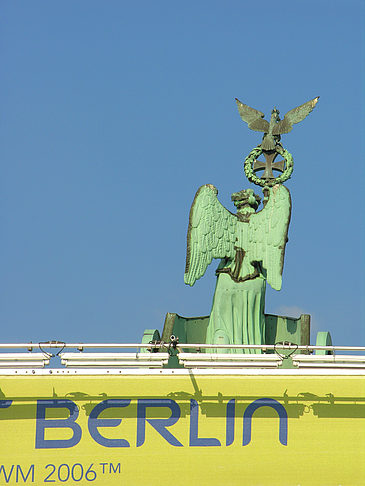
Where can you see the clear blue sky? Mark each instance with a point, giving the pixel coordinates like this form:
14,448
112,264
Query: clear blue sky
114,113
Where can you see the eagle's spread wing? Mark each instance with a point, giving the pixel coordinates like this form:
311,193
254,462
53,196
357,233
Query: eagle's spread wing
252,117
294,116
211,233
267,234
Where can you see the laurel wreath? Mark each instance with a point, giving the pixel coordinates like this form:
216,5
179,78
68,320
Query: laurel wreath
255,153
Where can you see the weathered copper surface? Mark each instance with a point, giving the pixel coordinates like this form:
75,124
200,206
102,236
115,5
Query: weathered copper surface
269,165
276,127
251,247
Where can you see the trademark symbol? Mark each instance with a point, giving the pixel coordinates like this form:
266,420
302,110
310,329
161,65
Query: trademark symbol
110,468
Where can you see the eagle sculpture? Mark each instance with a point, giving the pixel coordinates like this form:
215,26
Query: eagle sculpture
276,127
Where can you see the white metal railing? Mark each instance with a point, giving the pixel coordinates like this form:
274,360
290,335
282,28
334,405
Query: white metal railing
222,360
23,360
78,355
227,360
112,360
264,347
329,361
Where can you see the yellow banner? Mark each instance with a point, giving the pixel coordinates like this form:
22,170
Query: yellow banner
182,429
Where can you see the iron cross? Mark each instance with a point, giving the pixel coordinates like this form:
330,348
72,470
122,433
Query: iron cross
269,165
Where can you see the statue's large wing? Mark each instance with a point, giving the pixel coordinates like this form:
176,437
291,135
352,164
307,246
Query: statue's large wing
268,234
294,116
252,117
211,233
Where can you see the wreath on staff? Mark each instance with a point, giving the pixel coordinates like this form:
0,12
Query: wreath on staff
252,177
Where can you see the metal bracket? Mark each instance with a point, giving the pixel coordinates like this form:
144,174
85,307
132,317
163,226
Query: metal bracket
173,351
52,344
285,354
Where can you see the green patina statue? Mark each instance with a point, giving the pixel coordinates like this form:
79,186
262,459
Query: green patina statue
251,246
250,243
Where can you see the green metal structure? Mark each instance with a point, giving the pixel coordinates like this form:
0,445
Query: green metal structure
277,329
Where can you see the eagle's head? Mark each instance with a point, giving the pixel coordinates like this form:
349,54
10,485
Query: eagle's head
275,114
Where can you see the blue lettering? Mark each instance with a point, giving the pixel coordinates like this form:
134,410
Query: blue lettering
230,416
158,424
3,470
69,423
47,479
265,402
94,422
114,469
194,439
19,470
5,403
